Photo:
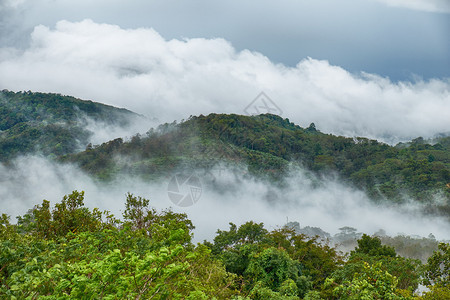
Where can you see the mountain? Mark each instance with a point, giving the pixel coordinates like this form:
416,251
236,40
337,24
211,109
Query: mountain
267,146
51,124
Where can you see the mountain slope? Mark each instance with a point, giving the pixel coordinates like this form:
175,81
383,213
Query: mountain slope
264,146
267,145
50,124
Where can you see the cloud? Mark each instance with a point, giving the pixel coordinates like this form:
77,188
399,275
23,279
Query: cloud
441,6
172,79
327,203
405,42
102,132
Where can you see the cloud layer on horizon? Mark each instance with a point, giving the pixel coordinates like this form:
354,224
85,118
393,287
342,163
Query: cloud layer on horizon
441,6
171,79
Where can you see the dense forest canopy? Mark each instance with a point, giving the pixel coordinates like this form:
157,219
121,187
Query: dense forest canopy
69,251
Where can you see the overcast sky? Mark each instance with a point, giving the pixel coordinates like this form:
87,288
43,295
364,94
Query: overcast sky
395,38
378,68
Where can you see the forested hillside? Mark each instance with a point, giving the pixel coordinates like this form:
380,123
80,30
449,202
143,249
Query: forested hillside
71,252
50,124
268,146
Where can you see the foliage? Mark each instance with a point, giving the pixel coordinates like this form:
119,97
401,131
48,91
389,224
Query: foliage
55,125
274,269
273,264
437,292
372,247
371,251
267,145
372,283
50,124
437,271
319,260
72,252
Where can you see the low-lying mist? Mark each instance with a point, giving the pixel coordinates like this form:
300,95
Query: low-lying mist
102,132
226,196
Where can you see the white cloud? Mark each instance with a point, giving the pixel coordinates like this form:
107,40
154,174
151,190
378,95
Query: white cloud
172,79
442,6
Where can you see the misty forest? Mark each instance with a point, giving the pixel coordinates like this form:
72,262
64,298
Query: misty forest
74,246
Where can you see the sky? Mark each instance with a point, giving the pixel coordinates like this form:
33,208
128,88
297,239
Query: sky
375,68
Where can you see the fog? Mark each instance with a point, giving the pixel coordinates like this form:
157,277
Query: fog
227,196
102,132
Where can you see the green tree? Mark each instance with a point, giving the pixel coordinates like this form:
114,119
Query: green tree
437,269
370,251
273,267
106,261
372,246
372,283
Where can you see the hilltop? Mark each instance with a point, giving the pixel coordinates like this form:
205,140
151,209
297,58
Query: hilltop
51,124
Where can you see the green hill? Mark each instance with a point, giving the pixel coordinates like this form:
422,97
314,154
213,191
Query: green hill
50,124
267,145
264,146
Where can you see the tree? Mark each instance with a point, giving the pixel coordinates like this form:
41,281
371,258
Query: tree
70,215
370,251
136,210
372,283
97,260
275,269
157,225
372,246
437,270
247,233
